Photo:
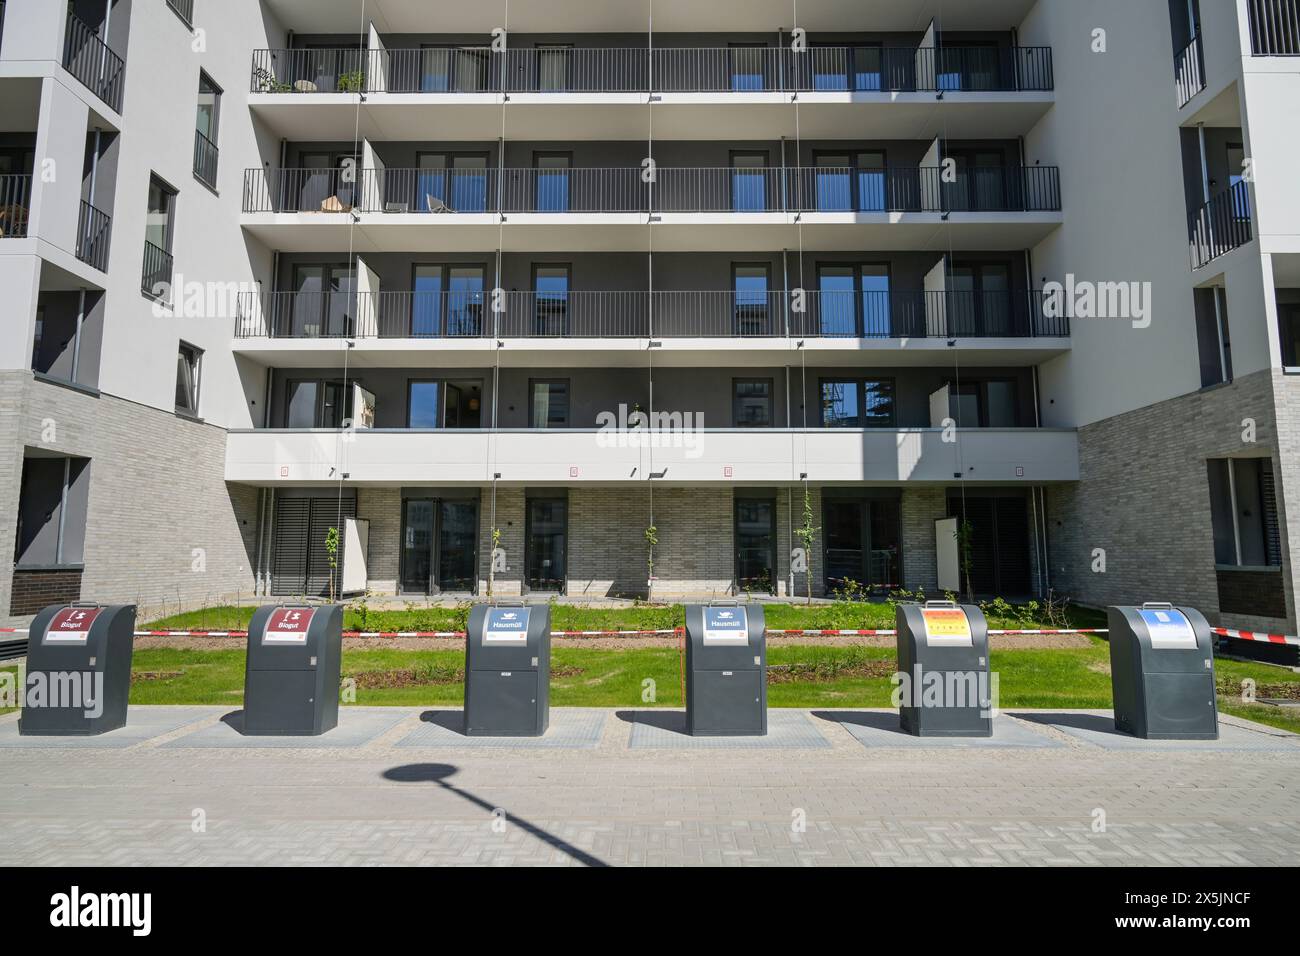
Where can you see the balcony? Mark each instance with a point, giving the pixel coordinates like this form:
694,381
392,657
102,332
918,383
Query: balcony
183,9
470,70
1222,225
721,457
89,59
156,275
646,315
1274,27
1189,71
15,205
92,237
205,159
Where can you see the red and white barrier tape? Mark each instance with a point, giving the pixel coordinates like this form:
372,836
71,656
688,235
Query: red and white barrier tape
1253,636
646,633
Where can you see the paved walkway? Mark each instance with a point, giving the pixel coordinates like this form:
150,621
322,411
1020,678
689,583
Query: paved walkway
181,786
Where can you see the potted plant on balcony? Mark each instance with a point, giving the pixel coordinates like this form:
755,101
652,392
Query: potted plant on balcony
352,81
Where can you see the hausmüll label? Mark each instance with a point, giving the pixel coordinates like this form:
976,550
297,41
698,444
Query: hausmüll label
726,625
506,625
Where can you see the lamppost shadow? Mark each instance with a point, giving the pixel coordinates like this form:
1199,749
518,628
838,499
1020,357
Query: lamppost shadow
439,773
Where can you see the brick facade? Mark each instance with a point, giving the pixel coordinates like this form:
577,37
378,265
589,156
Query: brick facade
163,528
1143,498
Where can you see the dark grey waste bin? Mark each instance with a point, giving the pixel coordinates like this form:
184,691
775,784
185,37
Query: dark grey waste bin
78,670
943,651
1162,672
508,671
291,677
726,670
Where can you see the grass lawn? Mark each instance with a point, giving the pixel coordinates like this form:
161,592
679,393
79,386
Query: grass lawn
842,615
803,676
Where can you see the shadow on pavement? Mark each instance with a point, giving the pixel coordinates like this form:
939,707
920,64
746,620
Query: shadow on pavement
439,773
673,721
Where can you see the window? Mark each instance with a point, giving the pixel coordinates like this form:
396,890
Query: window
552,181
183,9
52,501
451,181
751,312
316,403
1243,512
1288,317
444,403
755,531
158,228
749,182
66,343
549,405
550,299
991,403
188,361
854,300
747,66
323,304
862,542
979,298
546,551
1213,345
751,402
553,61
850,181
857,403
447,301
205,130
454,69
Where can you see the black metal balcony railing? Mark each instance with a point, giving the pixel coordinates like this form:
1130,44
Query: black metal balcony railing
1274,27
205,159
470,69
630,314
2,20
184,9
15,205
89,59
672,190
1222,224
1189,71
156,277
93,229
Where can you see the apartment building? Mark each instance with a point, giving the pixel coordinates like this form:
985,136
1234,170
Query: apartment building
650,298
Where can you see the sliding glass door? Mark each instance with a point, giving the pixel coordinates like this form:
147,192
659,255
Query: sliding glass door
439,546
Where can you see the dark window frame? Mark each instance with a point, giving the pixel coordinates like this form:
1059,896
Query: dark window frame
860,381
771,400
568,402
195,364
769,500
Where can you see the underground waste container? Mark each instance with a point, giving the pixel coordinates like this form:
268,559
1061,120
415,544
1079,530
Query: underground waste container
507,671
78,670
726,670
943,657
1162,672
291,676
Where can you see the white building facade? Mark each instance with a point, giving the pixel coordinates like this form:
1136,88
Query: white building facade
651,299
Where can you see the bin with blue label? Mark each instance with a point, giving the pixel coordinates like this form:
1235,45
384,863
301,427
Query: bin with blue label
726,670
78,670
943,663
291,674
508,671
1162,672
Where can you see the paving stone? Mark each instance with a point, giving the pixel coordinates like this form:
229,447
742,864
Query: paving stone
1098,728
569,728
880,728
666,729
357,726
142,724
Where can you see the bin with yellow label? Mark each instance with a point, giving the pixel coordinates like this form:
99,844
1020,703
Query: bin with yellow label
943,663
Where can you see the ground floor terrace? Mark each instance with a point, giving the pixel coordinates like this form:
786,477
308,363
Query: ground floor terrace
661,542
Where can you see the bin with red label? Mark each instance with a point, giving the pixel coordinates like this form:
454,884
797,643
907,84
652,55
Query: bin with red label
943,665
78,670
291,676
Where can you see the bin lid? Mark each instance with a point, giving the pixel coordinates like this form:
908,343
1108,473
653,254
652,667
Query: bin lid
288,625
946,627
71,625
1168,627
726,625
506,625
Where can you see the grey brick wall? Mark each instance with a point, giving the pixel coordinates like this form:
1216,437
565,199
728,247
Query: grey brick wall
921,507
382,507
1143,497
163,528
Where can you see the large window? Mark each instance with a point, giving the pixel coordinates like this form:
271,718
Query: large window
979,299
749,182
751,283
848,182
854,300
857,403
158,228
1243,509
447,301
549,405
862,543
52,504
188,362
551,299
324,303
316,403
751,402
451,181
445,403
553,172
546,545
